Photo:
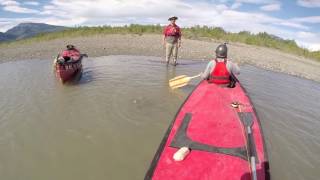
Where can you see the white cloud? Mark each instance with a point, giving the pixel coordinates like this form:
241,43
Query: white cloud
271,7
309,3
32,3
7,23
5,26
268,5
154,11
223,1
190,13
8,3
18,9
255,1
308,45
14,6
314,47
236,5
304,34
222,7
293,25
309,40
309,19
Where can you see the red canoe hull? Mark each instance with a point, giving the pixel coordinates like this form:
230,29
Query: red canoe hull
67,71
216,134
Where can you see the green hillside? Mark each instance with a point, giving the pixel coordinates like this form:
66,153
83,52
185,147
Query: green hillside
261,39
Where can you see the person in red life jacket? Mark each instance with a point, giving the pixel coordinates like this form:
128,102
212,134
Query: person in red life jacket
220,70
172,40
71,54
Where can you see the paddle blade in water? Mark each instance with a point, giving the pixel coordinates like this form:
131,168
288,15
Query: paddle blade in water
179,81
178,86
177,78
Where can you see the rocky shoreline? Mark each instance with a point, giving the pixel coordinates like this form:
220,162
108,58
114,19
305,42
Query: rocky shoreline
150,45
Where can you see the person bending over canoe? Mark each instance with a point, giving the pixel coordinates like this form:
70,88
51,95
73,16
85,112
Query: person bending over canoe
220,70
70,54
172,40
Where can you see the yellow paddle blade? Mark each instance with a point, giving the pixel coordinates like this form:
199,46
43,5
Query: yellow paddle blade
177,78
178,86
179,81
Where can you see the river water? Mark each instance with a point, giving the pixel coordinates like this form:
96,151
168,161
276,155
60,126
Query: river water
110,123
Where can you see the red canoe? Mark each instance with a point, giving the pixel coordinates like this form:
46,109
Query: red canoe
226,142
67,70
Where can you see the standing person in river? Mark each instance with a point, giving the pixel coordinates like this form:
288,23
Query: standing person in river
221,69
172,40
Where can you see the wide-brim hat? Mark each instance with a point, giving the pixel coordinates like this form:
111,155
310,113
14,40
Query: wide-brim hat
173,18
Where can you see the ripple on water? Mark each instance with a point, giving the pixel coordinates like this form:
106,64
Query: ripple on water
113,119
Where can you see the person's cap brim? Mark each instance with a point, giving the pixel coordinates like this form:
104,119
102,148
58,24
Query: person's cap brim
173,18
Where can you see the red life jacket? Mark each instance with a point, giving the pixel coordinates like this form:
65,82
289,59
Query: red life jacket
220,74
74,54
172,30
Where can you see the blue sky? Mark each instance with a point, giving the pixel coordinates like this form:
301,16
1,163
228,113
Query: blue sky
289,19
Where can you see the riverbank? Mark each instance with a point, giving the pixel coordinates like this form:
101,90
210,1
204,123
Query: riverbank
150,45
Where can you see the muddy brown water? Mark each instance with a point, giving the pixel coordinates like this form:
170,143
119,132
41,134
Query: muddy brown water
109,124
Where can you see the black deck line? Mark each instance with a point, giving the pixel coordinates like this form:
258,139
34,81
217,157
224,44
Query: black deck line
266,163
181,139
156,158
248,116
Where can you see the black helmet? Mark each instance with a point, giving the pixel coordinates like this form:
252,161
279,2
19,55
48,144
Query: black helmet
70,46
222,51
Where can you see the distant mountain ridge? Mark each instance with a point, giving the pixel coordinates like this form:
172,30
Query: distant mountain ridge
25,30
5,37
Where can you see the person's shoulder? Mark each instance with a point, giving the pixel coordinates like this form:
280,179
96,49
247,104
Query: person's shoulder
229,60
212,61
231,63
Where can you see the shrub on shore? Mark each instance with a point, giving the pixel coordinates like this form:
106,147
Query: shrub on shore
261,39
